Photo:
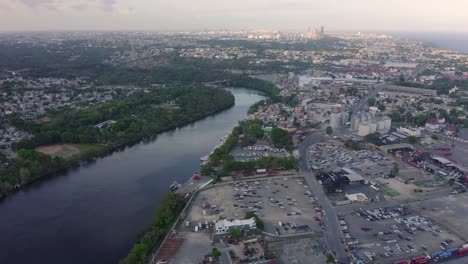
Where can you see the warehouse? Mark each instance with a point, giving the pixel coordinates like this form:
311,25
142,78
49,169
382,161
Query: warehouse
243,224
352,176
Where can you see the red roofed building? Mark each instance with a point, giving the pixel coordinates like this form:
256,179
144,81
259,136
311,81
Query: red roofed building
434,123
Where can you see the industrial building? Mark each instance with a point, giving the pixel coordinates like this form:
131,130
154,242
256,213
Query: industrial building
357,197
408,91
224,225
410,131
369,122
352,176
338,120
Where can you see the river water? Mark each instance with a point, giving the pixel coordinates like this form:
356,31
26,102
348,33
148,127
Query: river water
94,213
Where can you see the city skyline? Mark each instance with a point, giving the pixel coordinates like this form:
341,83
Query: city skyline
183,15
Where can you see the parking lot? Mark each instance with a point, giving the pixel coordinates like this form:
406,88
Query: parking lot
447,210
257,151
384,235
285,204
334,156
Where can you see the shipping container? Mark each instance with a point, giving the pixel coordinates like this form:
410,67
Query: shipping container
446,255
435,255
461,251
420,260
452,250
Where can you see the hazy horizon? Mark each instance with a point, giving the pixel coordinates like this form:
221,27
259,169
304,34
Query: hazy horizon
199,15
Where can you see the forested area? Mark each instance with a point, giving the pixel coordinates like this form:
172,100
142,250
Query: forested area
139,115
136,116
247,133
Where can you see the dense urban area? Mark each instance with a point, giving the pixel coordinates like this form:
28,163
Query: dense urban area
357,154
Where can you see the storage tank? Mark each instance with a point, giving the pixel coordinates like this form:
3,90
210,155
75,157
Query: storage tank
355,122
335,120
388,123
364,129
372,127
380,124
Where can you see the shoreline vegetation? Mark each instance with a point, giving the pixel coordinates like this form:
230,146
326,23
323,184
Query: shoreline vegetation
150,238
136,117
167,212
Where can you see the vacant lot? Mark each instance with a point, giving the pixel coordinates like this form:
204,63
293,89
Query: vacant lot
63,151
69,150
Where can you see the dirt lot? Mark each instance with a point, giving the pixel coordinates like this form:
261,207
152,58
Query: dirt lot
299,251
194,248
282,199
394,233
62,150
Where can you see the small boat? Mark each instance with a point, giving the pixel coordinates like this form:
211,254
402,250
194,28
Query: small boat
204,160
175,186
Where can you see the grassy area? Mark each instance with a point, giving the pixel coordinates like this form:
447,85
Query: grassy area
390,192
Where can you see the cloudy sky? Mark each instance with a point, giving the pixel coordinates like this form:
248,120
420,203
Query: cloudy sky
335,15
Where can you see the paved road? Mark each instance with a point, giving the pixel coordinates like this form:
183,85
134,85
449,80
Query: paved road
332,230
363,102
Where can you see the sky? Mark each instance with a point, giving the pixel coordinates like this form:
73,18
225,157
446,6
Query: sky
194,15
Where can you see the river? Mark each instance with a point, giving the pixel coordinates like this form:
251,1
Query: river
94,213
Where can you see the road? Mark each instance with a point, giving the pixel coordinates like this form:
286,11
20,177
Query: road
363,102
332,228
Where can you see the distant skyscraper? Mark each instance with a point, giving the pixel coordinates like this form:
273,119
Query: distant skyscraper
322,32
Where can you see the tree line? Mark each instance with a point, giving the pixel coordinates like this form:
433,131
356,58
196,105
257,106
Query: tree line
139,115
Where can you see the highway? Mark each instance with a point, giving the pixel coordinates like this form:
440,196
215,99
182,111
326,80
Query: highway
332,228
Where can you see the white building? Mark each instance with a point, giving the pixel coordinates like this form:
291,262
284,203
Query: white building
224,225
357,197
410,131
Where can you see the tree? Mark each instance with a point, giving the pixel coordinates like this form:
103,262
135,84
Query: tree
137,255
371,101
373,138
330,258
329,130
24,174
235,232
281,138
435,137
216,253
258,222
381,107
412,139
394,170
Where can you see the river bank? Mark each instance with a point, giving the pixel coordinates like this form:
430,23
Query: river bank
59,164
94,213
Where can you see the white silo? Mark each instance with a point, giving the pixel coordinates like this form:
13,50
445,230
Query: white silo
372,127
388,123
335,120
355,120
380,124
364,129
